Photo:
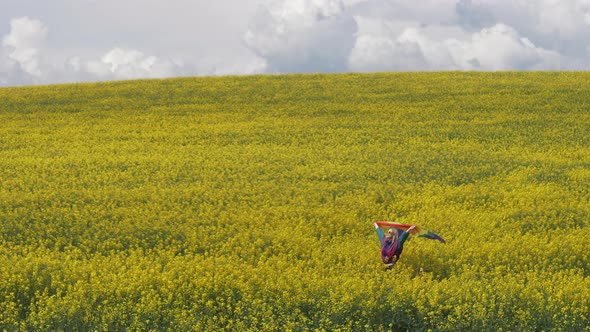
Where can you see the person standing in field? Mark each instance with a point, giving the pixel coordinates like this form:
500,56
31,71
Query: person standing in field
392,244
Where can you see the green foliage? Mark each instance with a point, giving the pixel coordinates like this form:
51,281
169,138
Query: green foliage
247,203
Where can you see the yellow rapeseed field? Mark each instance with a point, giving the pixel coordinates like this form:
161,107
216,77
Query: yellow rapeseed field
247,203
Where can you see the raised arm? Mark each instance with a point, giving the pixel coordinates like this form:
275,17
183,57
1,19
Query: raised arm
380,233
404,235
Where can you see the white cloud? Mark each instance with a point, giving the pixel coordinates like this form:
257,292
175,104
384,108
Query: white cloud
433,35
303,35
502,48
133,64
110,39
499,47
21,48
383,50
557,25
120,64
11,72
21,60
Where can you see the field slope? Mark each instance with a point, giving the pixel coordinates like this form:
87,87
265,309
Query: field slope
247,203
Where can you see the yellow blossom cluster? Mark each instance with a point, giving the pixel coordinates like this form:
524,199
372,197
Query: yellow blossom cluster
247,203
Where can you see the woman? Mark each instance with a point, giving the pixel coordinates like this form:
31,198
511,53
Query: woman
392,244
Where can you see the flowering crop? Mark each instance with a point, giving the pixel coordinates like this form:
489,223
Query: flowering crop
247,203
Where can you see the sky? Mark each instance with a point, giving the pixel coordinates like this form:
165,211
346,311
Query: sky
61,41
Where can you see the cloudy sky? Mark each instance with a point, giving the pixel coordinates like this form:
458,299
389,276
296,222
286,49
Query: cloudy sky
44,42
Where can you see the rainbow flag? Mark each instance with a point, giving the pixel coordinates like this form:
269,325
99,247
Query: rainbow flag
416,231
